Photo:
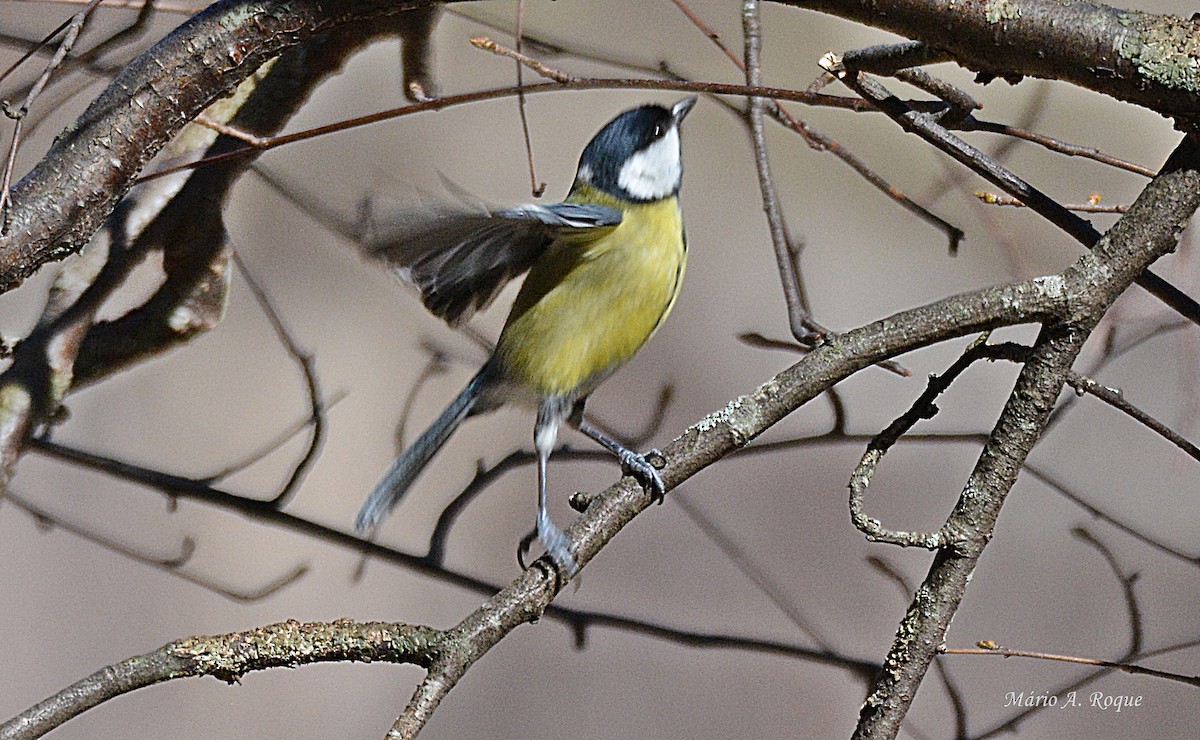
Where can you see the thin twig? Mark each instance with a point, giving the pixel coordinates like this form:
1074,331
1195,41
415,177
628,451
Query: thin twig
753,572
486,44
961,104
304,361
262,511
1127,581
788,266
1055,145
582,83
712,35
1003,652
87,59
1113,397
1062,489
172,565
922,408
536,189
255,141
927,128
73,29
35,48
285,436
993,199
821,142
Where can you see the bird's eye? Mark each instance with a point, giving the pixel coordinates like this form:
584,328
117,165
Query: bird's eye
658,130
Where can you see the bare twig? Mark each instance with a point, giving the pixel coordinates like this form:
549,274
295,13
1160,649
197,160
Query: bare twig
922,408
1127,581
285,436
73,28
816,140
580,620
1007,726
86,60
1132,668
961,104
580,83
536,189
1093,207
1135,629
1083,384
233,132
753,572
925,126
486,44
1062,489
786,253
172,565
304,361
1055,145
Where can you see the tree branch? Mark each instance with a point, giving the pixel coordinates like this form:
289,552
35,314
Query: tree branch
229,657
57,207
1142,58
1150,230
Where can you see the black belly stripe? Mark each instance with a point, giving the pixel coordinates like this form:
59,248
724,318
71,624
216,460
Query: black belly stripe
674,291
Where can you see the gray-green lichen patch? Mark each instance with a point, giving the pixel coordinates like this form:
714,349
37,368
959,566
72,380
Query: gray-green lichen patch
1163,49
719,418
997,11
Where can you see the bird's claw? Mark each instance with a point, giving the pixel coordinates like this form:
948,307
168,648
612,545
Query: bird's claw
523,548
640,467
561,557
557,544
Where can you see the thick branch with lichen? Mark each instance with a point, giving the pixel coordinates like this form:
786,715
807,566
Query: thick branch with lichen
63,201
1143,58
229,657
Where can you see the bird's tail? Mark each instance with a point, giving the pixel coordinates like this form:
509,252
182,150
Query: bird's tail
392,487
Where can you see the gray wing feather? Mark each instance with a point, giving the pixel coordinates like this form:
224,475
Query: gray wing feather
460,256
564,215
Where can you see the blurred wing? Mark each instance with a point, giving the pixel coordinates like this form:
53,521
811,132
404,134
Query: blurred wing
460,256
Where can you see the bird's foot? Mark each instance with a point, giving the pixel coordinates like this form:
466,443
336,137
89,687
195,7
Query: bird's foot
556,542
640,467
524,546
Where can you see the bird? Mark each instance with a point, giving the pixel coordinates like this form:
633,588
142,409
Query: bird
604,270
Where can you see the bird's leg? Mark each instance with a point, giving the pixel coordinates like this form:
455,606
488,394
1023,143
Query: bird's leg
632,463
545,434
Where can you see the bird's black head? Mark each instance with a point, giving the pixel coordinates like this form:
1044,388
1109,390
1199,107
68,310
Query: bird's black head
636,155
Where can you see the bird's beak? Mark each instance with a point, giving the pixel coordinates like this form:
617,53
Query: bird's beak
680,109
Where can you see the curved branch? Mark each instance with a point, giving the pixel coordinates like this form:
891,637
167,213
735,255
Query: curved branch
57,207
229,657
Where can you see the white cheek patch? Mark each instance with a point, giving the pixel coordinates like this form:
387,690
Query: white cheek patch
653,172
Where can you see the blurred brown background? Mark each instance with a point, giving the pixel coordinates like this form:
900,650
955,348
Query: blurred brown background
70,606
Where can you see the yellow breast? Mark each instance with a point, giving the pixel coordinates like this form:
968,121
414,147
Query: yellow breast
591,302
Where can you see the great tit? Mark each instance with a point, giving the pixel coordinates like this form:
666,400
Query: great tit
605,267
